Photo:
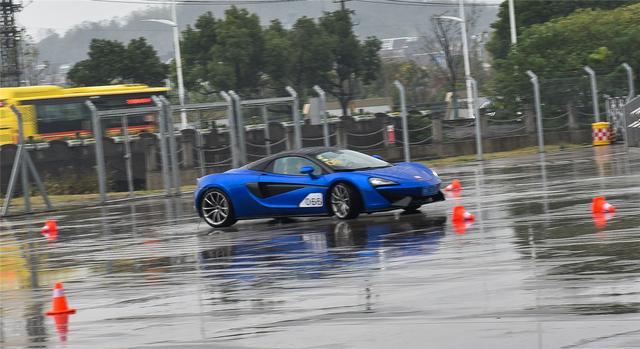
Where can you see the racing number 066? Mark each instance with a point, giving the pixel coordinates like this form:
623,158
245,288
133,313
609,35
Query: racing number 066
312,200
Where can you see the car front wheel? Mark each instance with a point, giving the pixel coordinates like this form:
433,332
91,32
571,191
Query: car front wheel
216,209
345,201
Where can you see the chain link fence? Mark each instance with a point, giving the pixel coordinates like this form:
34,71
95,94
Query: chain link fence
231,133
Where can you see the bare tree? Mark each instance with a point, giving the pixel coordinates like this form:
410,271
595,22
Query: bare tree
445,41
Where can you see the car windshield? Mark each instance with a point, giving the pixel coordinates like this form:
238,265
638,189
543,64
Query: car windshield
349,160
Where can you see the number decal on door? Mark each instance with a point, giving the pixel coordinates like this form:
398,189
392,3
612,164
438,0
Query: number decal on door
312,200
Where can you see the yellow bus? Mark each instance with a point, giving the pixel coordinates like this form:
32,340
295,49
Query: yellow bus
53,112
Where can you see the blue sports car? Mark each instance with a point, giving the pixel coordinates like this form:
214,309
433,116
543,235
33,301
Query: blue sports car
314,181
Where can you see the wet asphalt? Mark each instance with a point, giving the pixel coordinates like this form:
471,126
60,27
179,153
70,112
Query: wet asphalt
535,270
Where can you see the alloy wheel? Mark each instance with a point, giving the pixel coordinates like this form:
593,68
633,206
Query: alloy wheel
340,201
215,208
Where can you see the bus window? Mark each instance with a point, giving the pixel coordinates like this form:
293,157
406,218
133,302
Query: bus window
62,117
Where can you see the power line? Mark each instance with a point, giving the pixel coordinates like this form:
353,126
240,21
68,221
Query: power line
257,2
416,3
198,2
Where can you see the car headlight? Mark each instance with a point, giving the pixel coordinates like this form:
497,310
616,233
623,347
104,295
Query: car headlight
378,182
434,173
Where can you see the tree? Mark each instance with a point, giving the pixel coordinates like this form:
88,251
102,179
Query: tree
312,58
31,67
530,12
420,83
225,54
142,64
354,61
445,40
238,52
197,43
104,66
558,49
110,62
277,56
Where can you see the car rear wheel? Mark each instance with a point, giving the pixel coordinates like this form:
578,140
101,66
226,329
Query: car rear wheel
345,201
216,209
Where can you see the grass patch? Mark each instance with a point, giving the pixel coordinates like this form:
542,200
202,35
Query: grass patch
502,154
70,200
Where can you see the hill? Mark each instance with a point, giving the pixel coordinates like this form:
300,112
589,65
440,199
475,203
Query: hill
373,19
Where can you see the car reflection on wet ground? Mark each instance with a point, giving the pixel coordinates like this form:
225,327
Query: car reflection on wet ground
535,270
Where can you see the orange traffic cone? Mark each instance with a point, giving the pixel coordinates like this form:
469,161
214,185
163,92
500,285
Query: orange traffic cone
50,230
461,227
454,186
461,215
599,205
59,303
600,219
62,325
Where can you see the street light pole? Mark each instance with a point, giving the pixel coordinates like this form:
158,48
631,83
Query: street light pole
465,53
632,90
512,23
177,57
467,67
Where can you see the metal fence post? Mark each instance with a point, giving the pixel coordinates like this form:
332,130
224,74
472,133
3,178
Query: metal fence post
323,111
97,135
13,178
536,95
405,122
476,111
240,127
620,111
173,148
632,89
201,157
36,177
594,92
297,134
21,162
127,154
267,133
26,192
164,154
233,141
200,144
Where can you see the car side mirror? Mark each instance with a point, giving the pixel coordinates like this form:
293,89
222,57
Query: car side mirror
307,170
377,157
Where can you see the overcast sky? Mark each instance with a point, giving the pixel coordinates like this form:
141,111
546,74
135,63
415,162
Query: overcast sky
61,15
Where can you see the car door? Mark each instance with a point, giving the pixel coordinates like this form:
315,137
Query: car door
285,191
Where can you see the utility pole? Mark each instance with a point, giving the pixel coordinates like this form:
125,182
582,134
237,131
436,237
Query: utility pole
9,44
343,6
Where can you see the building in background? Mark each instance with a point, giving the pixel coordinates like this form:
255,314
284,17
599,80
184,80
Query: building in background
410,48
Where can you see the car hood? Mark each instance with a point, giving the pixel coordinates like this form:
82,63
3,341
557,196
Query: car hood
404,172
